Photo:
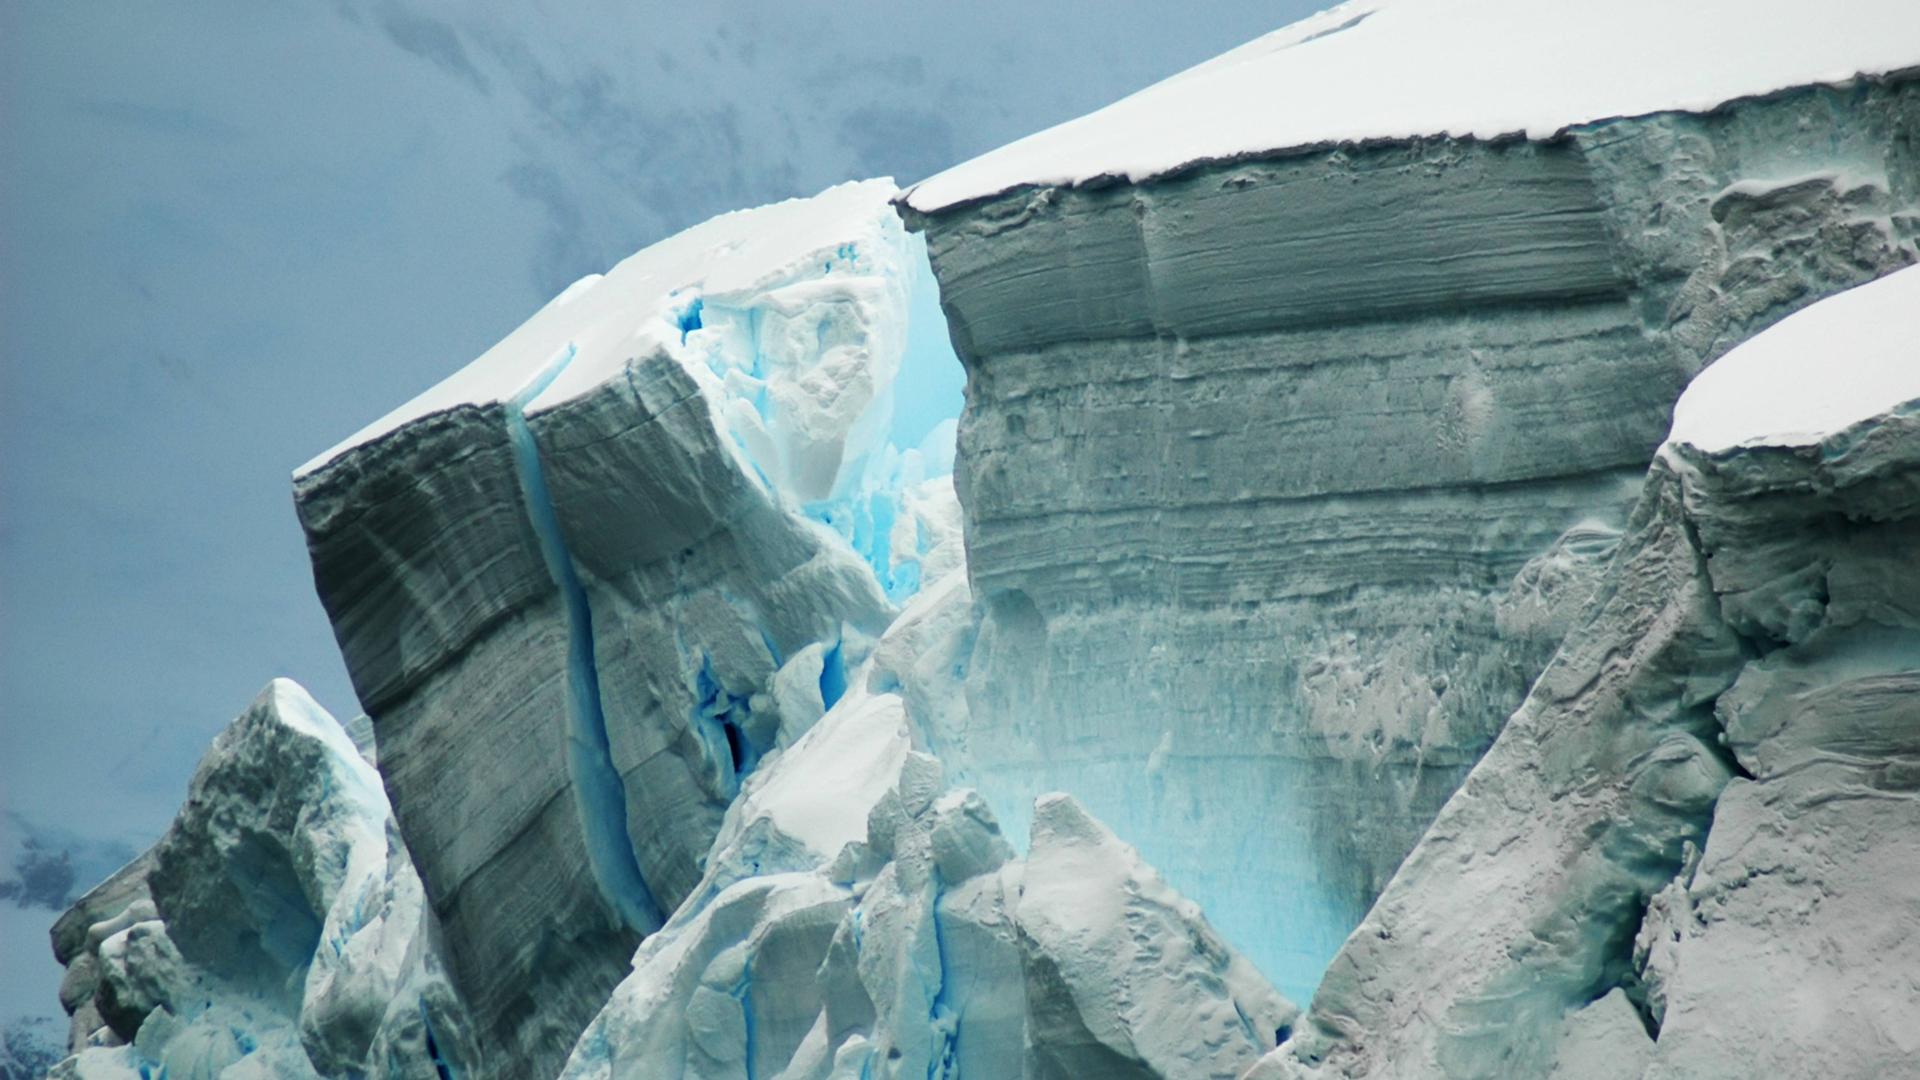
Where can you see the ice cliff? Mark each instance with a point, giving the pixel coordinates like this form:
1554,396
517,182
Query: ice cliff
1697,832
622,599
1296,434
576,583
1292,597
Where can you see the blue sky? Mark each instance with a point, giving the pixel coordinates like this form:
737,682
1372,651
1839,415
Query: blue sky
232,233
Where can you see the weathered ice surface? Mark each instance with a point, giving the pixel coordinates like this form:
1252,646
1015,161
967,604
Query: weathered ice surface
861,919
1284,475
567,579
276,930
1707,806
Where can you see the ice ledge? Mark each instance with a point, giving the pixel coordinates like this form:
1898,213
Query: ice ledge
1847,359
1388,69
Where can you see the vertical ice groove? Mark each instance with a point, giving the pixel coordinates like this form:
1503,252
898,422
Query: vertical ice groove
441,1067
941,1017
833,676
598,794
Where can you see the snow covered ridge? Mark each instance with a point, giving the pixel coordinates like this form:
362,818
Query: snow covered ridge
789,315
664,284
1849,358
1388,69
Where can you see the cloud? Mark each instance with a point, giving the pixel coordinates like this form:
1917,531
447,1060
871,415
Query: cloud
159,119
565,246
432,40
903,143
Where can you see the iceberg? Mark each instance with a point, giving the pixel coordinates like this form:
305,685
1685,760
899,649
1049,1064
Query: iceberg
1438,556
576,582
277,929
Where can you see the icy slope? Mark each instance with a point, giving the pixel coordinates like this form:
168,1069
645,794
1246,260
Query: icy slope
1706,807
1402,69
276,930
579,584
1285,475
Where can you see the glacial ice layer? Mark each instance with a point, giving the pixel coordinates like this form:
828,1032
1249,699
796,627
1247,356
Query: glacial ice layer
1284,474
1691,852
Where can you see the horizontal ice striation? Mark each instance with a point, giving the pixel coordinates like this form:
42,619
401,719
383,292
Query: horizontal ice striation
566,580
1691,851
1283,475
277,929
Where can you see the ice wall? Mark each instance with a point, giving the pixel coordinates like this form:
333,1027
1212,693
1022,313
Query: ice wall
1701,820
1283,474
567,579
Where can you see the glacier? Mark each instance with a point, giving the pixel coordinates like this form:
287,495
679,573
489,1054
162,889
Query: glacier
1400,585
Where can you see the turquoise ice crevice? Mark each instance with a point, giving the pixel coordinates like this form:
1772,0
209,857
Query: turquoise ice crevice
599,795
927,396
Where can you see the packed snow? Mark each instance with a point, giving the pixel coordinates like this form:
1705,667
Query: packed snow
854,755
1849,358
677,287
1376,69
